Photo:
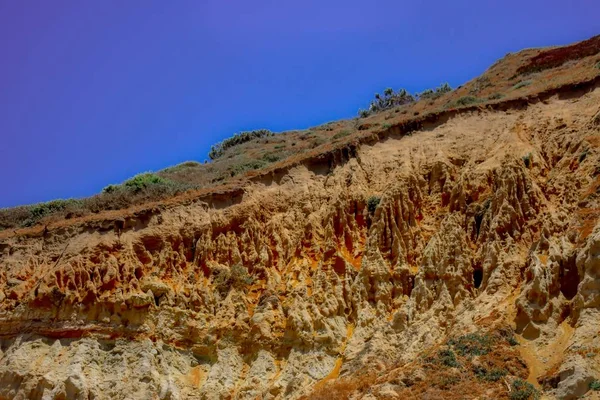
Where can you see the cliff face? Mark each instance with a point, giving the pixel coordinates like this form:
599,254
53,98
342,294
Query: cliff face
486,222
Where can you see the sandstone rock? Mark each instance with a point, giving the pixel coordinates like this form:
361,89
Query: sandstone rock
301,285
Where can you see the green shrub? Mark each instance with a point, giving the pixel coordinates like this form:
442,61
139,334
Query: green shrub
145,186
247,166
472,344
595,385
495,96
512,341
271,157
363,113
447,358
143,181
139,189
463,101
522,390
13,217
598,65
341,134
316,142
435,93
390,99
425,94
466,100
444,88
42,210
183,165
372,204
240,276
521,84
480,84
218,149
493,375
110,188
527,160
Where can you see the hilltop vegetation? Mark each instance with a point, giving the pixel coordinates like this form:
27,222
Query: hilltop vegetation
218,149
392,99
250,153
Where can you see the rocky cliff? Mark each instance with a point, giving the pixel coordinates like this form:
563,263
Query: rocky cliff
458,259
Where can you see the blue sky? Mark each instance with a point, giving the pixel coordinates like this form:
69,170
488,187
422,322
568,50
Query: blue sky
93,92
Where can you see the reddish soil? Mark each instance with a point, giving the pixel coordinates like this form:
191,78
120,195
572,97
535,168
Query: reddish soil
556,57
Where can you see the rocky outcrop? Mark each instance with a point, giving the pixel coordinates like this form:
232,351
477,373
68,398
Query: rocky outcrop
363,264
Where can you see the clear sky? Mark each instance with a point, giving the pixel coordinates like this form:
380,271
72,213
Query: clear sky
93,92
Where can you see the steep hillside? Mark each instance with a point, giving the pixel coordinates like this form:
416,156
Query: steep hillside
433,252
515,79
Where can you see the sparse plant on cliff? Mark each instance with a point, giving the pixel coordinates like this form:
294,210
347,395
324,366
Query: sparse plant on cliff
480,84
142,181
182,166
148,185
240,276
472,344
372,204
139,189
493,375
138,183
242,168
495,96
598,65
435,93
521,84
235,277
271,157
218,149
522,390
595,385
389,100
363,113
448,358
527,160
463,101
446,382
112,188
341,134
466,100
38,211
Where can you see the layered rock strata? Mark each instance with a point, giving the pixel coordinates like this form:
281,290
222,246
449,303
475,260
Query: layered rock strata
358,264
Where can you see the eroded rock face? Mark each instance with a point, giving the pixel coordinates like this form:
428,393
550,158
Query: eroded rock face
491,216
